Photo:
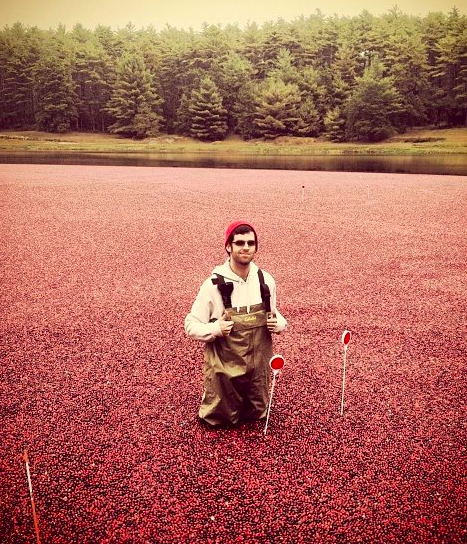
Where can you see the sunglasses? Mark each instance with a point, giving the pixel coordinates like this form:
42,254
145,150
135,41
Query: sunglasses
242,243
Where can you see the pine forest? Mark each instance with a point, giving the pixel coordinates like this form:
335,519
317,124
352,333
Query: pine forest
361,78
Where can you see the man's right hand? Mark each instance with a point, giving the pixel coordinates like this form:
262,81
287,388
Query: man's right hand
225,323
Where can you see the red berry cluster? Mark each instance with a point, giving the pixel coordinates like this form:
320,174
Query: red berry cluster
100,266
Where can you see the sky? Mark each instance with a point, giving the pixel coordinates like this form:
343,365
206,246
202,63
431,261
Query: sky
191,14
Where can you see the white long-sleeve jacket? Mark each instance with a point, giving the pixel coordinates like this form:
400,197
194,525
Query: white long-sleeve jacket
202,321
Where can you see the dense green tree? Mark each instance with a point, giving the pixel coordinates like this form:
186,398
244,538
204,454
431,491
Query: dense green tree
245,109
213,47
449,71
147,121
112,44
55,91
182,122
17,89
460,87
284,68
309,93
345,66
373,106
208,116
174,77
19,52
267,52
307,31
308,119
128,35
134,106
277,109
328,42
407,65
80,35
249,43
233,73
334,123
364,36
312,86
94,75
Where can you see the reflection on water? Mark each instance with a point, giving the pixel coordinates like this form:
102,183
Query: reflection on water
418,164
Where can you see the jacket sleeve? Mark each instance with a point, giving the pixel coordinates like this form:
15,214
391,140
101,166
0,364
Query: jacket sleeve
198,323
281,321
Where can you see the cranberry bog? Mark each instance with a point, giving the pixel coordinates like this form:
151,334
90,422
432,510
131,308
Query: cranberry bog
99,384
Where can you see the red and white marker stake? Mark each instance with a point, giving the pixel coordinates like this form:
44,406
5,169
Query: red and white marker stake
34,515
276,363
346,337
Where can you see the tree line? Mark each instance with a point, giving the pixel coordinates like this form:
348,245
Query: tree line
350,78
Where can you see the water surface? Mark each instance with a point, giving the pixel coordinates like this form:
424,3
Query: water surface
455,164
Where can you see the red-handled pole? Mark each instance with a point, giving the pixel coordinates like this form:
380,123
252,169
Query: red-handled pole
346,337
276,363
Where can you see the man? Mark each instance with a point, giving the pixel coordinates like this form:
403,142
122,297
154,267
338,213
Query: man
234,314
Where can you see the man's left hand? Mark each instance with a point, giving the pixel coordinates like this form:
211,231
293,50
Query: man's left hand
271,322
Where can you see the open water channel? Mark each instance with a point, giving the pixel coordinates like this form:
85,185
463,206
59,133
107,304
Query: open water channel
455,164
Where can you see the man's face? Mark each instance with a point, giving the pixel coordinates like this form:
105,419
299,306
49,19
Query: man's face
243,248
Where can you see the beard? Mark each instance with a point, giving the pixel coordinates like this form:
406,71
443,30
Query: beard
243,258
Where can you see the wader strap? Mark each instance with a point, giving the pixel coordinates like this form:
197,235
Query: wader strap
225,290
265,292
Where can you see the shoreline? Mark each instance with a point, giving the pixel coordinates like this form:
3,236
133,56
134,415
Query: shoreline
414,142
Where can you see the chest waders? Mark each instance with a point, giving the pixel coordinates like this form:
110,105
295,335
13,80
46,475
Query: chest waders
236,367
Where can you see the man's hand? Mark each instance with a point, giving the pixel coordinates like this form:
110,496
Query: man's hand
225,323
271,322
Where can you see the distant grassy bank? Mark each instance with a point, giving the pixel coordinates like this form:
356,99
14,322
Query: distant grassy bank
413,142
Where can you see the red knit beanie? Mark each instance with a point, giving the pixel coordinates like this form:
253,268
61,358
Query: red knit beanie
236,224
